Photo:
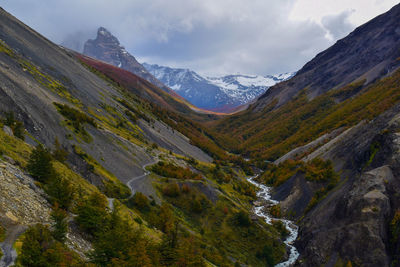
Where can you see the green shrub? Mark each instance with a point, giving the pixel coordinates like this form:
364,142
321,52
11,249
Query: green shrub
16,126
60,225
140,201
61,192
76,119
40,166
92,214
59,153
171,190
242,219
40,249
74,115
115,189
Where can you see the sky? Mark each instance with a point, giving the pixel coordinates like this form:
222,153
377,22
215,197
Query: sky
212,37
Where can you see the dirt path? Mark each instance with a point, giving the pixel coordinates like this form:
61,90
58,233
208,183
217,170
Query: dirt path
134,179
9,253
130,183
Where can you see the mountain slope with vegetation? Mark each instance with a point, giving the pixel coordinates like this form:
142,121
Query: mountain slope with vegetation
328,140
76,135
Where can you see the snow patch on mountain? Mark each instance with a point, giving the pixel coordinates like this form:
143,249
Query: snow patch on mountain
215,92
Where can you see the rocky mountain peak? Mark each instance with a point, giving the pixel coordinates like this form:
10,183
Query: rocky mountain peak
106,47
105,36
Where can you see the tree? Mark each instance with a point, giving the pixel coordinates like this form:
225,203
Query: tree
16,126
19,130
242,218
59,153
60,226
61,191
140,201
190,254
40,249
40,166
166,218
92,214
33,246
120,245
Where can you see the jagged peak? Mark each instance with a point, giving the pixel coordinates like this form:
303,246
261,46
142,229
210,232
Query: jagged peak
103,31
104,34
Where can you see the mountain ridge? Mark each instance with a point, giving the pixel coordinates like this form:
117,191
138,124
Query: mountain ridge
215,93
369,52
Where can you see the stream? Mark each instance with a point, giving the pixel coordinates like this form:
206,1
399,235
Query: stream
259,209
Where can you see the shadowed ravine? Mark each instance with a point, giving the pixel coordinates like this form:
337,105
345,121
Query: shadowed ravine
265,200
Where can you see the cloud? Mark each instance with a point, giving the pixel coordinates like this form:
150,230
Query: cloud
212,37
338,26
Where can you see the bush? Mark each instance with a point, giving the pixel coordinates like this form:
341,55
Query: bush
267,253
115,189
59,152
92,214
40,249
242,219
19,130
76,119
140,201
61,192
171,190
75,115
60,226
170,170
40,166
16,126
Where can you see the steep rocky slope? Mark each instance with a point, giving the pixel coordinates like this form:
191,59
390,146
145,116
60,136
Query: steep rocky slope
356,220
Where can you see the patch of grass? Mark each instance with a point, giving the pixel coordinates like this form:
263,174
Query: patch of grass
15,148
119,126
83,186
75,120
374,148
46,80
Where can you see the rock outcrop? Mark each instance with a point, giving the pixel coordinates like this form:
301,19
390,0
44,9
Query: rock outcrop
352,222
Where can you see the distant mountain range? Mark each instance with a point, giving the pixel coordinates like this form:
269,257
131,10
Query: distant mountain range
216,93
223,93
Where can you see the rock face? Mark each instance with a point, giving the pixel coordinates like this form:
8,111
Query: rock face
369,52
352,222
107,48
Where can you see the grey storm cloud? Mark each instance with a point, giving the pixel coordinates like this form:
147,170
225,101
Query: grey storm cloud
212,37
339,25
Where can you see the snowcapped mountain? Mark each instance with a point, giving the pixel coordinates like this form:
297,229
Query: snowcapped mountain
217,93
